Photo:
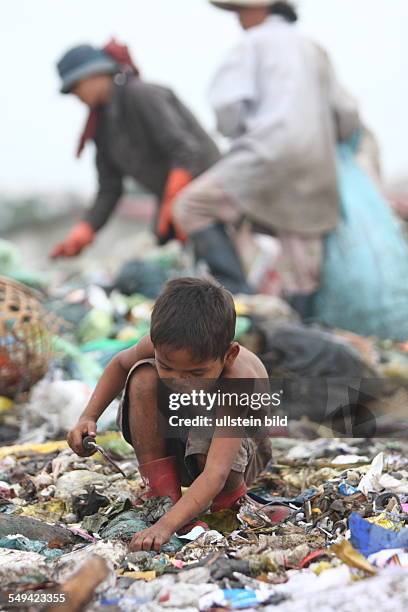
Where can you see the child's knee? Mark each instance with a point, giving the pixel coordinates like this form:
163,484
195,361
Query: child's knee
143,384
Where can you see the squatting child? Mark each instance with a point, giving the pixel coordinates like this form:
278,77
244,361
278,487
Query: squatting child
191,337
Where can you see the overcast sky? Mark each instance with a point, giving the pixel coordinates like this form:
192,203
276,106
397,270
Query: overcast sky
178,43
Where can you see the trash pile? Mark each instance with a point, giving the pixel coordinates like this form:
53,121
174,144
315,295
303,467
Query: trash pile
66,522
342,540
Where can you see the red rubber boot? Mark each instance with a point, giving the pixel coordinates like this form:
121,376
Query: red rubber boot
161,478
225,500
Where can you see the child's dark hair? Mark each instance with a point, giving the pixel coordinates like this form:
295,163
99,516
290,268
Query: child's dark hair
286,10
196,315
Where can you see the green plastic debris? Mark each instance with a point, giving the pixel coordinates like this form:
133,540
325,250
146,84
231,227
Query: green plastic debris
124,526
19,542
95,325
224,521
104,345
114,443
11,266
243,325
10,257
86,368
146,562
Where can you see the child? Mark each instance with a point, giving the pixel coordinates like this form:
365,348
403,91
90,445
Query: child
191,337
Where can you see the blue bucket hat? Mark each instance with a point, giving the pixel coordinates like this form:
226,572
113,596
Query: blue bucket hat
82,62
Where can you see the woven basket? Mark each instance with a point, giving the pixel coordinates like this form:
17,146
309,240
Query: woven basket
25,338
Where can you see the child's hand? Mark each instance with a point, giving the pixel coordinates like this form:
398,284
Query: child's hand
152,538
84,427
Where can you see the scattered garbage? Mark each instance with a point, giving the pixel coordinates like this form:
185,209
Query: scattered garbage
60,511
327,520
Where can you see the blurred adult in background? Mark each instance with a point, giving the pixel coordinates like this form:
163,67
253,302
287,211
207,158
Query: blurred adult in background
277,99
140,130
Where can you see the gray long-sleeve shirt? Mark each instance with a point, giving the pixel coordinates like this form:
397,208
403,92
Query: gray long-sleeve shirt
145,132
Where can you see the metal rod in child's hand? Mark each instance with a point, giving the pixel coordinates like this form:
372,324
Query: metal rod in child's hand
89,444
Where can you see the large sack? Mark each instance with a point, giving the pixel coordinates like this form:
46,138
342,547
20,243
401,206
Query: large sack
365,274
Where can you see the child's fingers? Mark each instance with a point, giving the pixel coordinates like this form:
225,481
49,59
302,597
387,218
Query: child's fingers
147,543
75,441
76,435
147,540
137,541
158,543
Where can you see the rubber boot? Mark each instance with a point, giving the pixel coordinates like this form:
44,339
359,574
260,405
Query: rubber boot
225,500
162,479
214,246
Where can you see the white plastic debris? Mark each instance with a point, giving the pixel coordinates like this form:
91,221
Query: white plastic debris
370,482
192,535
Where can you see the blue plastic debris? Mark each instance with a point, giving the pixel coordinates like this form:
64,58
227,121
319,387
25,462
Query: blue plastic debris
242,598
239,599
347,489
368,538
266,498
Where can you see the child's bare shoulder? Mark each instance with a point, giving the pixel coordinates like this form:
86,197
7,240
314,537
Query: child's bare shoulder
246,365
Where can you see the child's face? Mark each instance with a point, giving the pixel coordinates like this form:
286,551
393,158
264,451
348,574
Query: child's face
179,363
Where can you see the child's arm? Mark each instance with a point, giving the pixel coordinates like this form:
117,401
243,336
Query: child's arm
198,498
108,388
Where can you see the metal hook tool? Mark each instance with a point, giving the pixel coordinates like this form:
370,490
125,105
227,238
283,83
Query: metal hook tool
89,444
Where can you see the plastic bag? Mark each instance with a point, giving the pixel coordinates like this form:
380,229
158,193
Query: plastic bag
364,286
369,539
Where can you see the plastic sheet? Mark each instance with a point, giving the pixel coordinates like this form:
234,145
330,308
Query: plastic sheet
363,285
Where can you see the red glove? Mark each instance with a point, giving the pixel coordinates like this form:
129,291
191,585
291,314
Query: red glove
80,237
177,180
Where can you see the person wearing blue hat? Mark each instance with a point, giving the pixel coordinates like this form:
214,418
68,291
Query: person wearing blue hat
140,130
84,62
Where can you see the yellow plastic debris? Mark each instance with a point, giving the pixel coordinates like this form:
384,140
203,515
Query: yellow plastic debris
241,309
5,404
382,521
50,511
150,575
21,449
349,555
321,567
109,440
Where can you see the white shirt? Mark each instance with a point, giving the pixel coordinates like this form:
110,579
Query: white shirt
275,96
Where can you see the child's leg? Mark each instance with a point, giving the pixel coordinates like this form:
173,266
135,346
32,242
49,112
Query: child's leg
143,415
158,470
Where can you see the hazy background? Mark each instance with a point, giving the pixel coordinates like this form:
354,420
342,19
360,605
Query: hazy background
178,43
